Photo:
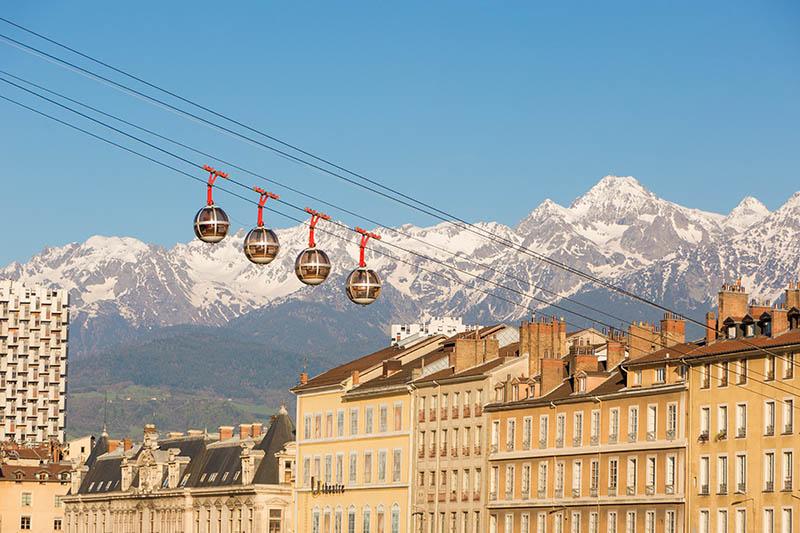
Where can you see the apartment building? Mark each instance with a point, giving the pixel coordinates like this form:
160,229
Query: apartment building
450,463
33,362
744,441
355,440
580,444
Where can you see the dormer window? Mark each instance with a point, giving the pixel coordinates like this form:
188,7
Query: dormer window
749,330
582,384
731,332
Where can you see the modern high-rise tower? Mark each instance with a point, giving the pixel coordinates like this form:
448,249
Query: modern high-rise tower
33,362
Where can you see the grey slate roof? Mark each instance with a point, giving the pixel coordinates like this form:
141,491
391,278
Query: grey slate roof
280,432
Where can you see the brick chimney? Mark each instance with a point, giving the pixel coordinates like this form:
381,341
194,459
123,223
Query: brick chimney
711,327
303,378
127,444
225,432
390,366
112,445
780,321
552,374
542,340
356,377
195,432
673,329
793,295
471,352
732,301
255,430
615,354
244,431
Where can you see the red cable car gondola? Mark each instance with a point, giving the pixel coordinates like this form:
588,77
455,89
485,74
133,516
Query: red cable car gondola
363,285
261,244
211,224
312,266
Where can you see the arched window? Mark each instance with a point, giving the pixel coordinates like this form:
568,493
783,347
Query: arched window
351,519
366,519
315,520
395,519
326,519
380,518
337,519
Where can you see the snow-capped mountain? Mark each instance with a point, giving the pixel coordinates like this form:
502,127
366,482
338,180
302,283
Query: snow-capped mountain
618,230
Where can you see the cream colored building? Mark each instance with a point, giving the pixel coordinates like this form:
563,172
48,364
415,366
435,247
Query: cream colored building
354,444
196,483
33,362
31,494
451,428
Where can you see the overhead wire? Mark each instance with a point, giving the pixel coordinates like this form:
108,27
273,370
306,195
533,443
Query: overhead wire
481,278
438,214
250,200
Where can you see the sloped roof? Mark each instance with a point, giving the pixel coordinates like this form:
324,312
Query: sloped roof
100,447
280,432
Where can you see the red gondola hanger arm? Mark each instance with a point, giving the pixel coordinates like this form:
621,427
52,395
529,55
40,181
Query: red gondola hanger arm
264,195
315,216
365,236
213,175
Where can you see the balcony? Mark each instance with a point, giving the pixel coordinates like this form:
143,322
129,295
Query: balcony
593,492
576,493
525,495
432,416
559,442
669,489
453,496
741,433
476,496
651,436
477,450
769,431
454,452
421,416
650,490
454,414
741,488
421,454
630,491
577,441
526,444
443,452
510,446
432,452
465,496
787,484
670,434
769,486
787,429
594,440
722,435
466,411
703,490
722,489
559,493
431,497
465,450
478,410
703,437
613,438
543,444
509,495
632,436
612,491
444,413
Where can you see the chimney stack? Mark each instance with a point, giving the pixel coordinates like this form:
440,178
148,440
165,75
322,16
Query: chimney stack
615,354
127,444
552,374
732,301
225,432
545,339
255,430
355,377
303,378
112,445
195,432
793,296
711,327
244,431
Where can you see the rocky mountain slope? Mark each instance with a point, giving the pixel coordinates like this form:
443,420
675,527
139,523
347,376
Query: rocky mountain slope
618,231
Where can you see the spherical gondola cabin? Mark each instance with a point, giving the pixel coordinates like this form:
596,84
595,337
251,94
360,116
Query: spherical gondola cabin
211,224
261,245
312,266
363,286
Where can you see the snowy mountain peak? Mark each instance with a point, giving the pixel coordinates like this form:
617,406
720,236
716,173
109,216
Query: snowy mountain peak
613,191
749,211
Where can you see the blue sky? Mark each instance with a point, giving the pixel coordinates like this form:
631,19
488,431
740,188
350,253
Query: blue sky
483,109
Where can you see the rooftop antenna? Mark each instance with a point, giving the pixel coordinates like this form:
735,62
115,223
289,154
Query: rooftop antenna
105,413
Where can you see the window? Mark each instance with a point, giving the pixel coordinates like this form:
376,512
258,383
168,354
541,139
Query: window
307,427
741,520
57,500
527,432
669,522
395,519
742,378
275,521
613,466
328,468
396,464
543,427
722,474
722,521
788,366
723,374
594,429
340,423
652,415
495,435
368,419
383,418
705,422
511,431
672,420
788,416
541,523
703,522
613,425
559,479
786,520
381,466
351,520
57,524
722,422
354,422
26,499
509,482
542,482
632,475
769,418
577,429
770,367
494,480
741,420
594,476
593,522
633,423
577,478
524,523
741,472
526,480
398,418
582,384
339,468
365,520
769,521
329,424
650,522
509,523
630,522
705,376
353,468
637,377
576,522
787,470
25,522
306,472
611,522
367,467
651,474
769,471
704,474
661,375
561,422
